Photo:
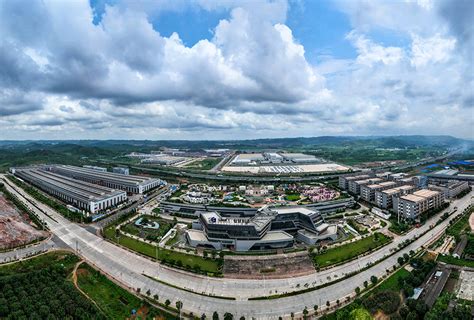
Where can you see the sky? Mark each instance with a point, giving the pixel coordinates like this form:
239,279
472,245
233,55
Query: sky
201,69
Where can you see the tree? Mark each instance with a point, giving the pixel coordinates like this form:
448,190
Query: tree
167,302
155,296
242,318
366,284
179,305
292,315
203,316
215,316
374,279
228,316
328,303
305,312
357,291
400,260
148,292
315,307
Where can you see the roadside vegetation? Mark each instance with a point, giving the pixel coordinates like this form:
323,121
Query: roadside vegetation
114,301
349,251
189,262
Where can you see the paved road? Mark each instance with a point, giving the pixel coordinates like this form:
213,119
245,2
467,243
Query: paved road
28,251
132,270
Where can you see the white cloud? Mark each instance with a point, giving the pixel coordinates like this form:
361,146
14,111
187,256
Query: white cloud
431,50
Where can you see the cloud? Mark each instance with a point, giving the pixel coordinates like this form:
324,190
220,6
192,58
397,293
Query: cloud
66,67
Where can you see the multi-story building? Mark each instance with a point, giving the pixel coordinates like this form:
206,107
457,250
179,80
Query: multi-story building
367,192
450,189
384,198
268,229
129,183
411,206
344,180
82,195
355,185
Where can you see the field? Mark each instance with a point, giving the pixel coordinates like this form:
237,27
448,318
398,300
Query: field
350,250
204,164
115,302
392,282
188,261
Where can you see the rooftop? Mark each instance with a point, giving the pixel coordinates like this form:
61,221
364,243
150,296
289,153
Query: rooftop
426,193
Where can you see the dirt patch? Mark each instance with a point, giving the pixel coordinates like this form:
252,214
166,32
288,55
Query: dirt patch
379,315
82,272
16,229
268,267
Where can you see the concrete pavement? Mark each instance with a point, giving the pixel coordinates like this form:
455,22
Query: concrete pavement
134,271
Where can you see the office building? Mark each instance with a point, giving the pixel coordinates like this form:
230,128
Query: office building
129,183
367,192
268,229
451,189
412,206
82,195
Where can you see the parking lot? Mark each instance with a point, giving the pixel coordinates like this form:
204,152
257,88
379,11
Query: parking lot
466,287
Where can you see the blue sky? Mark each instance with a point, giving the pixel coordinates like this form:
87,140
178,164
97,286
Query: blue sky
182,69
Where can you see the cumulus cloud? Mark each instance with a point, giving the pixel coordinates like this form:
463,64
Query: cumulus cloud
65,68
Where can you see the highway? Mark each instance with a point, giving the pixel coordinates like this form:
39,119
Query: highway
134,271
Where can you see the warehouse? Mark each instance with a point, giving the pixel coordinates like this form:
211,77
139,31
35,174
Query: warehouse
129,183
80,194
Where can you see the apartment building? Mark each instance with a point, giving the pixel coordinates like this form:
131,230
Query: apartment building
384,198
367,192
344,180
450,189
355,185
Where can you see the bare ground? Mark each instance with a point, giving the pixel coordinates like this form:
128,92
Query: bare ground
16,229
268,267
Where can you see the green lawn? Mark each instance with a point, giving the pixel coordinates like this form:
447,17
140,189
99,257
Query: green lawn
115,302
292,197
350,250
391,283
457,262
188,261
459,226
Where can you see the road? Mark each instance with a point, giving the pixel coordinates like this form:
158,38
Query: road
134,271
28,251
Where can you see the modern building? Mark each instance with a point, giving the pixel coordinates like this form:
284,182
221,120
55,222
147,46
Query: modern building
451,188
367,192
384,198
82,195
268,229
411,206
299,157
273,157
355,185
344,180
129,183
121,170
247,159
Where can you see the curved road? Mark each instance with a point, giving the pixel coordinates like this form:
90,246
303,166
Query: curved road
134,271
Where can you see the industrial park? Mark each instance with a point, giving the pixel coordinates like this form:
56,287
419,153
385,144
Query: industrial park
237,160
303,237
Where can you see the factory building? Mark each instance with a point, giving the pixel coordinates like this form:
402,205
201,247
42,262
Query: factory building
101,169
247,159
121,170
299,157
450,174
344,180
411,206
82,195
384,198
268,229
451,189
129,183
367,192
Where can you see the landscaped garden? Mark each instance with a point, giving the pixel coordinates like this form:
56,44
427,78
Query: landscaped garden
350,250
148,227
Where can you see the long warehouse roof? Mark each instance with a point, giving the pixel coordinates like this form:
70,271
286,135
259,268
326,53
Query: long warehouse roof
119,178
80,189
